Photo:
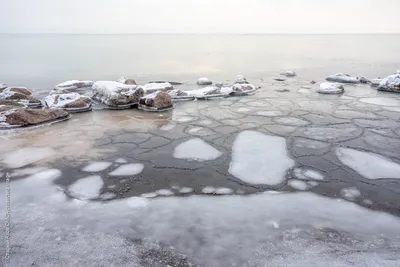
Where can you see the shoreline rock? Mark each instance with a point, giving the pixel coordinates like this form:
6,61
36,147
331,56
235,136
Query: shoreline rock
243,89
71,86
126,81
69,102
115,94
342,78
390,84
375,82
289,73
20,98
330,88
150,88
21,90
240,79
204,81
158,100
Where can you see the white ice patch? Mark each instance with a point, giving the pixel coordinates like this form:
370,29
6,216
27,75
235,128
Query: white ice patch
350,193
223,191
260,159
25,156
108,196
243,110
186,190
382,101
195,130
185,119
97,166
128,169
369,165
208,190
149,195
308,174
46,175
121,160
86,188
196,149
167,127
164,192
270,113
298,185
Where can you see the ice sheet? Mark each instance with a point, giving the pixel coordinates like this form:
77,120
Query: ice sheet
97,166
196,149
128,170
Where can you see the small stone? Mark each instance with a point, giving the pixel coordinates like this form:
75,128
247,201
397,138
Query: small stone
204,81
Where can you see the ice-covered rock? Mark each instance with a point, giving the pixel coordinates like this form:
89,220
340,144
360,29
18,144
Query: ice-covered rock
196,149
330,88
177,94
342,78
204,81
375,82
240,79
116,94
68,102
71,86
158,100
153,87
21,90
126,81
210,91
260,159
289,73
369,165
243,89
390,84
397,72
3,86
364,80
13,116
21,99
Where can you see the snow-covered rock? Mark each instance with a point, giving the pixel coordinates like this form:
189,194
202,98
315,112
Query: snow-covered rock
154,87
157,100
390,84
126,81
20,98
204,81
69,102
243,89
342,78
210,91
240,79
71,86
397,72
330,88
289,73
14,116
21,90
375,82
116,94
3,86
364,80
178,94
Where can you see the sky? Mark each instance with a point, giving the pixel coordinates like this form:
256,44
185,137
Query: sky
200,16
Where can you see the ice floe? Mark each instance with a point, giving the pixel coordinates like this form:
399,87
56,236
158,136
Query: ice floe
298,185
223,191
204,81
86,188
350,193
149,195
308,174
382,101
330,88
128,169
25,156
195,130
185,119
390,84
196,149
260,159
97,166
121,160
369,165
342,78
164,192
208,190
108,196
186,190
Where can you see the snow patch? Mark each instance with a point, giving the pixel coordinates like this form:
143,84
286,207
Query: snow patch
196,149
298,185
86,188
260,159
330,88
208,190
97,166
369,165
164,192
121,160
223,191
149,195
186,190
128,169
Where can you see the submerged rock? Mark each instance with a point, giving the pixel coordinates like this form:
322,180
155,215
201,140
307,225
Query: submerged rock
342,78
115,94
20,98
157,100
390,84
330,88
68,102
289,73
240,79
71,86
154,87
375,82
126,81
204,81
13,116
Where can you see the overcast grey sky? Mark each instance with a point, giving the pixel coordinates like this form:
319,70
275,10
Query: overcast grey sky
200,16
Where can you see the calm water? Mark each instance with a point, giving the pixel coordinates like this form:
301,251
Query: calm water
41,61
